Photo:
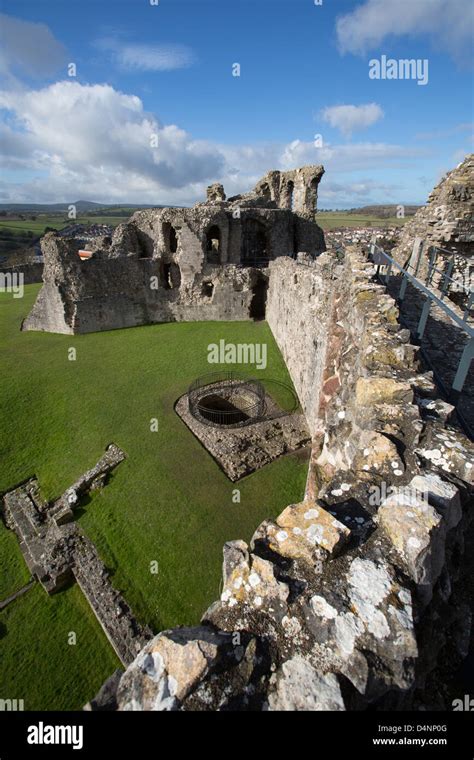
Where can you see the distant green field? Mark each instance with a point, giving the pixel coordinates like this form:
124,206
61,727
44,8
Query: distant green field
332,220
39,225
167,502
327,221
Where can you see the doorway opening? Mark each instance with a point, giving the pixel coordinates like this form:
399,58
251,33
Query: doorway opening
259,298
255,245
213,245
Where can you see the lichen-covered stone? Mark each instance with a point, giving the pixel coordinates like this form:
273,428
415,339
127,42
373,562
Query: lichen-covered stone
168,668
298,686
304,528
417,532
444,496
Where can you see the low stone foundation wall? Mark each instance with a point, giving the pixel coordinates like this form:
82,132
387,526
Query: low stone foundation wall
114,615
56,551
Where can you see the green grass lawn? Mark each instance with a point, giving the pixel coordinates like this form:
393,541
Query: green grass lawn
37,662
169,502
13,571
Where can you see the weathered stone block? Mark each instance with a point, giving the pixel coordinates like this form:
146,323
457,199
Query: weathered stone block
299,686
418,532
442,495
168,668
377,390
304,529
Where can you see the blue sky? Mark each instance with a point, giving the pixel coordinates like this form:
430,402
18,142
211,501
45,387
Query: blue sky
165,70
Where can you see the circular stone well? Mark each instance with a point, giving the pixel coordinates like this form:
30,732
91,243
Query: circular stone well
227,399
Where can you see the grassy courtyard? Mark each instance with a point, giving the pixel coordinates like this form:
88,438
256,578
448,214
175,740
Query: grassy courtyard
168,503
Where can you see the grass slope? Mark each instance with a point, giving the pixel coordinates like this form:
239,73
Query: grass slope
168,502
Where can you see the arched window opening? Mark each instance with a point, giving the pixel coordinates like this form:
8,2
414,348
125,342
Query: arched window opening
265,190
173,240
259,298
145,252
207,289
314,194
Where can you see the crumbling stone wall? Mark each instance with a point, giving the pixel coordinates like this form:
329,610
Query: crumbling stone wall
296,189
125,634
351,598
446,222
107,292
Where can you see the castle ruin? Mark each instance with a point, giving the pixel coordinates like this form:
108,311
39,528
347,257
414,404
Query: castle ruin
355,597
181,264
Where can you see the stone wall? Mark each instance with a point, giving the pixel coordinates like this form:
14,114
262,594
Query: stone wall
106,292
300,301
353,598
295,189
56,551
125,634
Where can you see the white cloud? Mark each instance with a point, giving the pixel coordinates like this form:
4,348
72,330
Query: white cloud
142,57
349,119
349,157
72,140
29,48
448,24
99,135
